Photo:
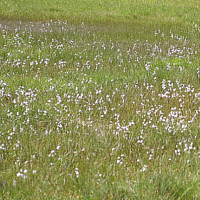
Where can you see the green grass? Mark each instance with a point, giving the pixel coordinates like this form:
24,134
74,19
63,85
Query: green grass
102,10
99,100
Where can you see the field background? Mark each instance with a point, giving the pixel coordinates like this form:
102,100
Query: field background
102,10
100,99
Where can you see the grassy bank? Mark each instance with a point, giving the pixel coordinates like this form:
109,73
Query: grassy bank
101,10
99,100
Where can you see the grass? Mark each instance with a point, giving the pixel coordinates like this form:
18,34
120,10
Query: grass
102,10
99,100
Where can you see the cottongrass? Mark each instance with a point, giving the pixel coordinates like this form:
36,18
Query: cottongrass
84,116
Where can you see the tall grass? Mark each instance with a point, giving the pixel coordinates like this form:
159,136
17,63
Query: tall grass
104,108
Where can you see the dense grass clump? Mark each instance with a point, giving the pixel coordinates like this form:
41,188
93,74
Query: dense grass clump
99,103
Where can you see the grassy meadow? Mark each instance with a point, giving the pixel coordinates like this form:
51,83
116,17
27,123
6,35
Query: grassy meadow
100,99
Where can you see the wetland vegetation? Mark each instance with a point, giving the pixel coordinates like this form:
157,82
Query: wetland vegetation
99,99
